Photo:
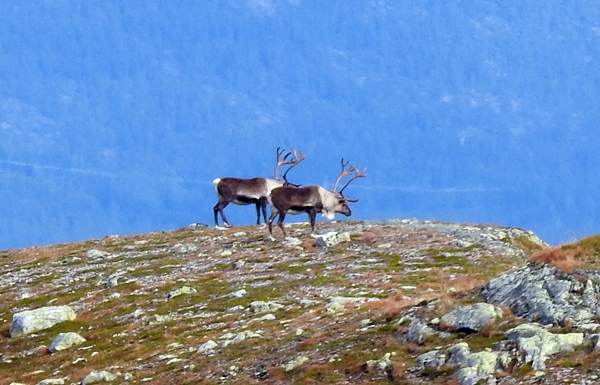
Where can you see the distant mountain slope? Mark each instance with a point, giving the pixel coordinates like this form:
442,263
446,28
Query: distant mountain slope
115,117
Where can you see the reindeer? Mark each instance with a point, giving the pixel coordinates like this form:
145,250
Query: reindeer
311,200
255,190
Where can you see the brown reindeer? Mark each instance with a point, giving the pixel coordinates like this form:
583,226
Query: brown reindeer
311,200
255,190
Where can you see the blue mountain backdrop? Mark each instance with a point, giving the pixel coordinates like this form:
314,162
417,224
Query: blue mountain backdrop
116,116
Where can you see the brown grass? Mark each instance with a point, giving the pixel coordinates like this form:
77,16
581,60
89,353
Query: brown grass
565,259
390,306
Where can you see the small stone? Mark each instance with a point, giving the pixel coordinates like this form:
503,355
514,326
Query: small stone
98,376
181,291
296,362
208,347
238,294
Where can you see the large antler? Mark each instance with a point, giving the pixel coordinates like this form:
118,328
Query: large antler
350,170
293,161
357,174
343,173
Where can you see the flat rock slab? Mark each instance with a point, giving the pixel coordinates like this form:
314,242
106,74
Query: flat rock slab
31,321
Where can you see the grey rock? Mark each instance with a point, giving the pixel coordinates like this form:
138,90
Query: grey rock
543,293
418,331
432,359
238,294
197,226
264,307
538,344
97,254
181,291
31,321
472,317
296,362
98,376
208,347
337,304
64,341
331,238
383,363
239,337
474,367
184,248
308,302
52,381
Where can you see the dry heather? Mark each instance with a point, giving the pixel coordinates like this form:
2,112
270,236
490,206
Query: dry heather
136,327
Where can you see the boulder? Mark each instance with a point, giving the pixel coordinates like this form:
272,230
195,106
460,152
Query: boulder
538,344
471,318
64,341
545,294
31,321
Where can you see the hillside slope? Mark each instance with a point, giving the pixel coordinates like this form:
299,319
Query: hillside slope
201,305
476,112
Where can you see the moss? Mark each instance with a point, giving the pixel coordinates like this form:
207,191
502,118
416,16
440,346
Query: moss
292,269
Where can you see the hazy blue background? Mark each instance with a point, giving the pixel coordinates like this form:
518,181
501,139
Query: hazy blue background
115,116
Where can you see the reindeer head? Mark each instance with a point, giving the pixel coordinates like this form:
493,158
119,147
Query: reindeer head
341,205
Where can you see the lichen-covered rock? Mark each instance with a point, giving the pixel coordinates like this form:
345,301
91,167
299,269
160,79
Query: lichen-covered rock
231,338
264,307
181,291
474,367
296,362
383,363
31,321
97,254
97,376
64,341
184,248
538,344
543,293
471,317
331,238
337,304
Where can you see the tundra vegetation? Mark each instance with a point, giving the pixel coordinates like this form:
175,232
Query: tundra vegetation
201,305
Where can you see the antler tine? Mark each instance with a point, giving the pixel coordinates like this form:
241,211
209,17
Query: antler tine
357,174
278,162
343,173
294,162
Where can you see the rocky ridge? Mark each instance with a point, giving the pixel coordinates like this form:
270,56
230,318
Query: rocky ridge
399,301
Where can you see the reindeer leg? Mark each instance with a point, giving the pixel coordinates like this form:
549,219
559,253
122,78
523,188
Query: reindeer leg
219,209
263,205
258,205
216,211
312,216
270,222
280,223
